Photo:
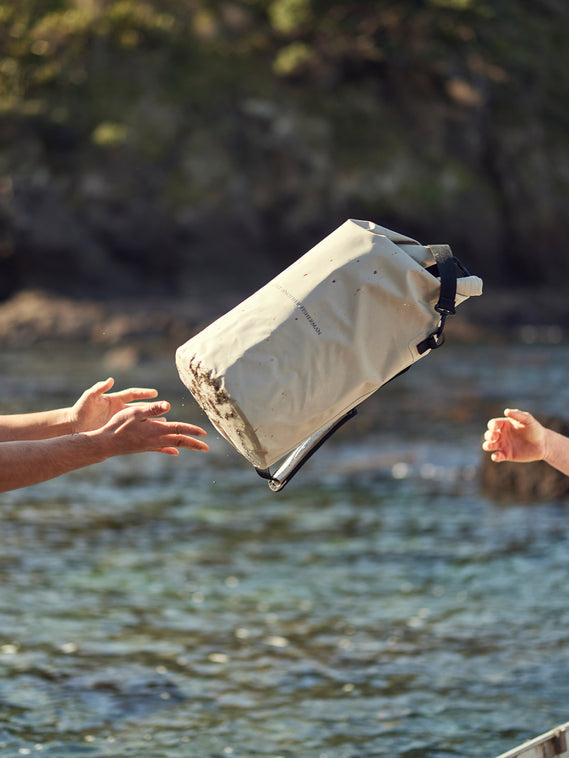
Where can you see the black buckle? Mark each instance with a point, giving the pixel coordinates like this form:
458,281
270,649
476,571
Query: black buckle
437,338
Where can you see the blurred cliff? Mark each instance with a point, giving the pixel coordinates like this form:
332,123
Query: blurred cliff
180,147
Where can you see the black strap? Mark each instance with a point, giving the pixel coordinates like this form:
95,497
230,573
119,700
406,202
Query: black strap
446,269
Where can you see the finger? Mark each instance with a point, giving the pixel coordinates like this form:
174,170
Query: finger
193,430
176,441
495,429
493,426
199,445
493,442
169,450
101,387
179,428
135,393
522,416
142,404
179,431
489,445
149,410
186,430
142,412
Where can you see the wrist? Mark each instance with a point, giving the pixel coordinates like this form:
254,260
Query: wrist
550,445
71,421
97,444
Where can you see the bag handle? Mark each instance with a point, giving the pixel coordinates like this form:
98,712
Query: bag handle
447,272
301,454
446,268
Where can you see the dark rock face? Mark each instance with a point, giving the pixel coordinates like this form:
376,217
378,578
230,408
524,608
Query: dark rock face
130,226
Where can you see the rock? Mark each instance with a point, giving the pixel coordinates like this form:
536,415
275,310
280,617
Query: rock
34,316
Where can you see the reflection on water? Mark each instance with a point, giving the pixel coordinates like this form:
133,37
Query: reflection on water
379,606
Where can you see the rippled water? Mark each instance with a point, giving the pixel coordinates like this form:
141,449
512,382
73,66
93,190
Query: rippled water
379,606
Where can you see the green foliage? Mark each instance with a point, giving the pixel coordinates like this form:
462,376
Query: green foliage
53,47
51,50
145,65
108,134
456,4
293,58
290,16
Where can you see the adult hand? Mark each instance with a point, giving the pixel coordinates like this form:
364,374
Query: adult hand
517,437
136,429
97,405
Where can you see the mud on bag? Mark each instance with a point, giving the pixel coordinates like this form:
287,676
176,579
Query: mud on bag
280,372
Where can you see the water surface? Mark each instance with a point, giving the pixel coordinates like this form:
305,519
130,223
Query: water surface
378,606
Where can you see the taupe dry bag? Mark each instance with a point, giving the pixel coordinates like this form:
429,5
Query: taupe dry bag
285,368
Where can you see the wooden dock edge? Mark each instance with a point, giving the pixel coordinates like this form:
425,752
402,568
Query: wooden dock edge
552,744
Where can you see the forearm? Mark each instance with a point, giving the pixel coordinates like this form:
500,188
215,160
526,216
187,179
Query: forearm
134,429
556,451
27,462
35,426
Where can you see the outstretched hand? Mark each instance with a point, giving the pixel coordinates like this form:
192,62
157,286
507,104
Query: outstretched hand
136,429
517,437
128,424
97,405
38,446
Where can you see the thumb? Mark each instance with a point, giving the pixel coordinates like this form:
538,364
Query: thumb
101,387
522,417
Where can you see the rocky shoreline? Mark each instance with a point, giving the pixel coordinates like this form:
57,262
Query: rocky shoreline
33,317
